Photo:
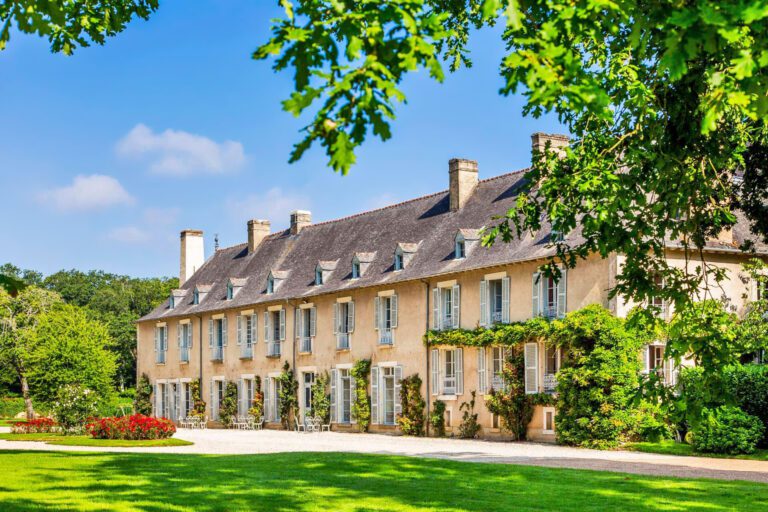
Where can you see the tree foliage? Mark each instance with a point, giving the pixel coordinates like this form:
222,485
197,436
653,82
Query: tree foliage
361,405
71,349
411,418
142,402
70,24
666,102
288,394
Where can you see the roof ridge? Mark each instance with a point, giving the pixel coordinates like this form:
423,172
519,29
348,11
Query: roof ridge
395,205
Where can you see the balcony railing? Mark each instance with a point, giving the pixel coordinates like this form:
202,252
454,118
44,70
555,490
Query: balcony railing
549,312
550,382
342,341
184,354
273,349
246,351
496,317
386,337
449,386
497,383
306,345
160,357
217,353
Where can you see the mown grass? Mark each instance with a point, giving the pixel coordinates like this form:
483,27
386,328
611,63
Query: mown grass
8,422
61,440
342,482
673,448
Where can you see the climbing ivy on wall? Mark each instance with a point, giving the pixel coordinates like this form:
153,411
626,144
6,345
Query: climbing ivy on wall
198,404
321,398
498,335
411,419
361,405
289,400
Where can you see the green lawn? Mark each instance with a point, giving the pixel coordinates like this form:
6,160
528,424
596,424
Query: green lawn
673,448
341,482
7,422
61,440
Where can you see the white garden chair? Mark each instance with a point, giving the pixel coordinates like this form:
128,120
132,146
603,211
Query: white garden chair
299,426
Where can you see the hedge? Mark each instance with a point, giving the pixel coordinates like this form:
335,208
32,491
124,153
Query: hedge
10,407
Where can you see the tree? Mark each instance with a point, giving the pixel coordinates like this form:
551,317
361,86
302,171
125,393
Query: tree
19,318
71,23
71,348
665,101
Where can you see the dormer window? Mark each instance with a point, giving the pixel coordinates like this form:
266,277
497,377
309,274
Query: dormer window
172,302
318,276
460,248
556,236
270,285
196,298
355,269
399,263
230,291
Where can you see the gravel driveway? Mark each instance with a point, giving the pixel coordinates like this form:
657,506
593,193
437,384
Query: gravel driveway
232,442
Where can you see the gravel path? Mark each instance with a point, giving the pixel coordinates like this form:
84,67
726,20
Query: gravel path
233,442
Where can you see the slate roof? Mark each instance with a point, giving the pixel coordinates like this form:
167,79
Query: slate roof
426,221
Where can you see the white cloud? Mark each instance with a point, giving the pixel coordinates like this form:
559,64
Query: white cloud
274,205
92,192
181,153
129,235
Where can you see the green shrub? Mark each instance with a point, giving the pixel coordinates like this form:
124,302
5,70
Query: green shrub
142,402
727,430
10,407
361,405
257,404
511,403
321,398
650,424
411,419
73,407
469,427
228,406
437,418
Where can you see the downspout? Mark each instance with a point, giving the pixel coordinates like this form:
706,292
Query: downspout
426,352
200,351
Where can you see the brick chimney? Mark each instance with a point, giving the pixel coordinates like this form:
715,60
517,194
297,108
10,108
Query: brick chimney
299,220
556,142
192,253
258,230
463,180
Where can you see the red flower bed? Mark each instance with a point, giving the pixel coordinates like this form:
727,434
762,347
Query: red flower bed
38,426
135,428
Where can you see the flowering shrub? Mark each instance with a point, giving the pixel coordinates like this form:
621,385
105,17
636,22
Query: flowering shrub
38,426
134,428
74,407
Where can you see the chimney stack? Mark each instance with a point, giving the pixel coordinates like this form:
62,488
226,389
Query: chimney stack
192,253
258,230
463,180
299,220
556,142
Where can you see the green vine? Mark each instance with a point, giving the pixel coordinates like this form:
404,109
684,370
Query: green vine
513,407
289,400
437,418
498,335
411,418
198,404
257,405
142,402
469,427
361,405
228,406
321,398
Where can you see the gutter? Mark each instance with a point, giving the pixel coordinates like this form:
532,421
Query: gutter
426,356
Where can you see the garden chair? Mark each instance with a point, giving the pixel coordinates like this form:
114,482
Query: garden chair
325,427
259,424
183,422
204,423
299,426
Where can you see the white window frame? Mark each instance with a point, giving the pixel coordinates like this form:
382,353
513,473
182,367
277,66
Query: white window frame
547,411
344,323
541,286
385,322
488,299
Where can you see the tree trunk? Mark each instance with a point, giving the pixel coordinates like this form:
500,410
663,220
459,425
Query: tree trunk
27,400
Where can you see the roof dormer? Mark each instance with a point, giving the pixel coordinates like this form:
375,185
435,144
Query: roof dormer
360,263
464,241
275,279
234,285
176,297
404,254
200,293
323,271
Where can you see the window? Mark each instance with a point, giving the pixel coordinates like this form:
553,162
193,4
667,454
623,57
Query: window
246,395
494,301
187,403
355,269
274,331
341,395
270,285
318,276
344,323
447,371
531,363
196,298
217,338
655,362
161,343
185,341
446,307
246,335
385,308
548,426
172,302
306,393
460,249
218,386
271,400
497,368
556,236
551,367
385,394
230,291
399,260
549,295
306,321
658,303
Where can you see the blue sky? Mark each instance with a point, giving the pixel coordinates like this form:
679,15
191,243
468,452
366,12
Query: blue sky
109,153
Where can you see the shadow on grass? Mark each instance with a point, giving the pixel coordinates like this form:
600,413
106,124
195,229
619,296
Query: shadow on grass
341,481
